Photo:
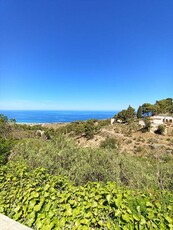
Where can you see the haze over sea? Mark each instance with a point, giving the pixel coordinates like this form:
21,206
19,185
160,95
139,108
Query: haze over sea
56,116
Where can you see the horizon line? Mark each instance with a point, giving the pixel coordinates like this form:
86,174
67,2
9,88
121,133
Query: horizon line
110,110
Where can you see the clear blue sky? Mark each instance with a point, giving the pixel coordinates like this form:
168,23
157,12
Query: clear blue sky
85,54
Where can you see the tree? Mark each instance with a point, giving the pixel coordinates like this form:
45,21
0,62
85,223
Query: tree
4,126
155,109
130,113
165,105
126,115
12,120
139,112
162,106
3,118
121,116
91,128
147,109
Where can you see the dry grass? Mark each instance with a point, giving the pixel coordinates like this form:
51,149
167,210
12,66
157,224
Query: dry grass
130,141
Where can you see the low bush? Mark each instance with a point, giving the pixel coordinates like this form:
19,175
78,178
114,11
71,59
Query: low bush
61,156
110,143
160,129
5,148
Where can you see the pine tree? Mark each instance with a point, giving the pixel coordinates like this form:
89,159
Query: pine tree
139,112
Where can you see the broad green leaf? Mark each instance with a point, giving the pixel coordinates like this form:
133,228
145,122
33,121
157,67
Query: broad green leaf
169,219
68,212
32,203
136,217
17,215
108,197
118,200
126,217
38,207
17,208
94,204
47,206
118,213
149,204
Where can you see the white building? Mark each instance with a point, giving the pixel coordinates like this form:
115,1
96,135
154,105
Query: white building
162,119
112,121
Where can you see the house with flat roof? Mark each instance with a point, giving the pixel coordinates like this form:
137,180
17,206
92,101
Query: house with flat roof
162,120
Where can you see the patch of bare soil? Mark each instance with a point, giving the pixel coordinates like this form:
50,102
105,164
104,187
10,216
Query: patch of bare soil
54,125
132,141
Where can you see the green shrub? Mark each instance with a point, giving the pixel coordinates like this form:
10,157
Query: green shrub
61,156
147,124
5,147
46,202
160,129
110,143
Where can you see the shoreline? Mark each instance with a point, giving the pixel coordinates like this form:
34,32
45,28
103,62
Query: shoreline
42,118
42,124
54,123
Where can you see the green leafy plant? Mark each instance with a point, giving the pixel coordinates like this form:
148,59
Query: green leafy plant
5,148
43,201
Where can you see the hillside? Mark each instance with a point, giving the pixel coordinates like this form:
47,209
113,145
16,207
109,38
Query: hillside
132,141
86,175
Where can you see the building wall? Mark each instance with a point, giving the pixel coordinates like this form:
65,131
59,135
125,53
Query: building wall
162,120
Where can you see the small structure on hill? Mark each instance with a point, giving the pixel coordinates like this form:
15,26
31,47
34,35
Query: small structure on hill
112,121
142,123
158,121
162,119
40,133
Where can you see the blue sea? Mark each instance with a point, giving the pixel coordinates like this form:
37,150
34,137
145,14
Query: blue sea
28,116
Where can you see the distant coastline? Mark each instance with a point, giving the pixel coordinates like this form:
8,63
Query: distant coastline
41,117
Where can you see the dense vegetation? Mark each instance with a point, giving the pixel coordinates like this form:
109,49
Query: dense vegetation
164,106
48,181
41,201
63,157
126,115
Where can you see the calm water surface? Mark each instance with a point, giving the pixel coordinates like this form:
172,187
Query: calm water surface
55,116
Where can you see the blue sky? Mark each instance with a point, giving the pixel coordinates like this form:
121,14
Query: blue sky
85,54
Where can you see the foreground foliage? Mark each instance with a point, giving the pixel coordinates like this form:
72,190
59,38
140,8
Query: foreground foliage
43,201
5,147
61,156
45,198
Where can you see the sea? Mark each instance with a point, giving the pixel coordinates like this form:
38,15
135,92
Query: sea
58,116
